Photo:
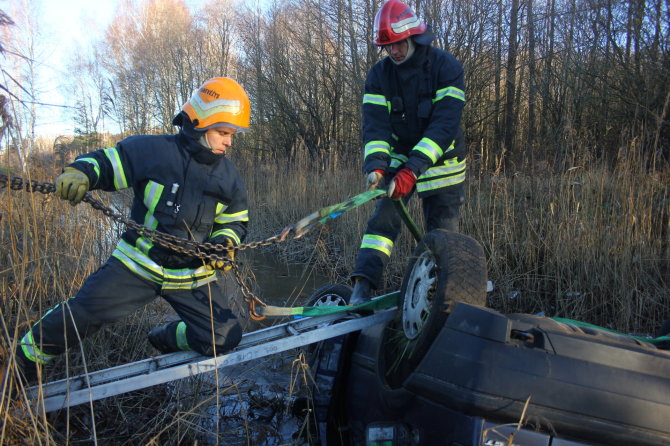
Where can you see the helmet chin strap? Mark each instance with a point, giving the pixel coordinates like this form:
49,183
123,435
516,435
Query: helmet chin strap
410,50
204,141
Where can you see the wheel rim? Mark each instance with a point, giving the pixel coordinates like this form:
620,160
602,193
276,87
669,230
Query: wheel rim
330,300
419,295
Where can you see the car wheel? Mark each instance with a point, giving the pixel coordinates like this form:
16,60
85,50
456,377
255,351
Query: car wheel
446,267
331,294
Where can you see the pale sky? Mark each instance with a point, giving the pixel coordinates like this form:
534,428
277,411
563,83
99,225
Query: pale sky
65,26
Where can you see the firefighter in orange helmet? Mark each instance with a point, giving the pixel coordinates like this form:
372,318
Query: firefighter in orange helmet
411,134
183,185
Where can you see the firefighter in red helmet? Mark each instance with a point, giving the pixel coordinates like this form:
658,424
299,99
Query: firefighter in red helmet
183,185
412,137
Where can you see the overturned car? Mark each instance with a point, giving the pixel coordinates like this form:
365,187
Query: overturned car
449,371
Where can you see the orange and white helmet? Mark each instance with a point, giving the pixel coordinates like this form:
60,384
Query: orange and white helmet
396,21
219,102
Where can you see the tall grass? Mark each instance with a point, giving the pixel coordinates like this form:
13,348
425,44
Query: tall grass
585,241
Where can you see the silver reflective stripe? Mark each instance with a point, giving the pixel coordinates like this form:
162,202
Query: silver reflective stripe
397,159
453,92
403,25
96,166
232,218
144,244
378,243
450,167
31,350
429,148
152,193
119,176
376,146
375,99
220,207
228,233
142,265
437,184
206,109
133,266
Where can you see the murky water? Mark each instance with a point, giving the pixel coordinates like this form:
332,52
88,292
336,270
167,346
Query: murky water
282,284
263,412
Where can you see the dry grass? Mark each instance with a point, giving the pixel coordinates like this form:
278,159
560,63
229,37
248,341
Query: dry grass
587,241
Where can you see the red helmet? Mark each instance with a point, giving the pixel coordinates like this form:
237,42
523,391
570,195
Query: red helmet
396,21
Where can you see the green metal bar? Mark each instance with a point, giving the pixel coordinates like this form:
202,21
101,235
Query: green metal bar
413,228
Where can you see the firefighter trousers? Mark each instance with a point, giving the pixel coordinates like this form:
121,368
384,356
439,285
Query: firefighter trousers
440,211
113,292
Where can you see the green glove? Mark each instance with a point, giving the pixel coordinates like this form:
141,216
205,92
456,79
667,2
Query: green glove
220,264
72,185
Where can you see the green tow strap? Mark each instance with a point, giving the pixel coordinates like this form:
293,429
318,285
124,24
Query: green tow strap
657,340
323,215
379,303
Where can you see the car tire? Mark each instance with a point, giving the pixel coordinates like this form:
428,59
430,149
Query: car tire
331,294
446,267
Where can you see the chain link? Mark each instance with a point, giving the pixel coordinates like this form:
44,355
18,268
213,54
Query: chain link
192,248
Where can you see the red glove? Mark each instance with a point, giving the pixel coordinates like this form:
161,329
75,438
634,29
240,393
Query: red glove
402,184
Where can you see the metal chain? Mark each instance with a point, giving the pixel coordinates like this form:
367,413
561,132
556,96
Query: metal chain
203,251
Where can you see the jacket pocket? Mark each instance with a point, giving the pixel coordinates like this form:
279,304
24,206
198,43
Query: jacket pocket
160,202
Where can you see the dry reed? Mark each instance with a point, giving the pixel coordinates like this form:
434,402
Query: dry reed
588,241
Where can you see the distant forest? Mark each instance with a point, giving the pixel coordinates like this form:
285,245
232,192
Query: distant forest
546,81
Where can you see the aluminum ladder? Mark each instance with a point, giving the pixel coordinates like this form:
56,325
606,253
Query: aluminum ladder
149,372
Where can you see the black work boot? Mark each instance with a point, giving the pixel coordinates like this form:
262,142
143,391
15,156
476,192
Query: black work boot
361,293
164,338
27,369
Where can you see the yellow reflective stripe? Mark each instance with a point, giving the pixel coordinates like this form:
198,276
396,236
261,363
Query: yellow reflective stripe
450,167
96,166
231,218
376,146
453,92
145,261
134,267
120,181
378,243
377,99
220,207
397,159
168,285
228,233
152,193
144,244
429,148
440,183
182,342
140,258
142,264
31,350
